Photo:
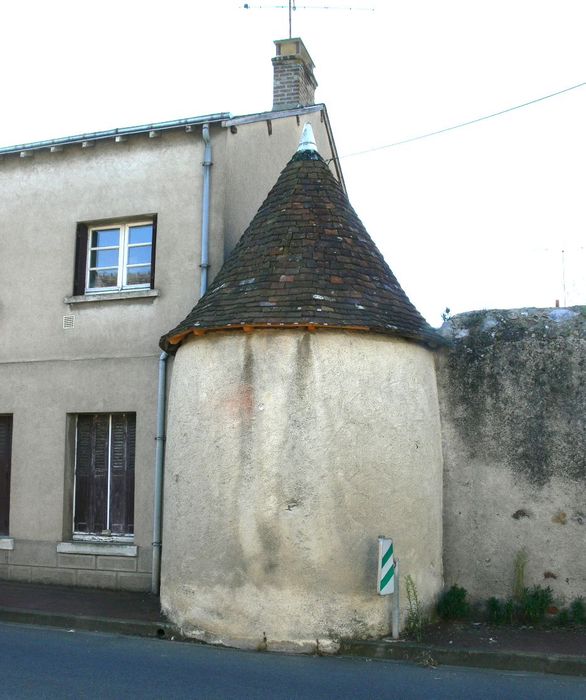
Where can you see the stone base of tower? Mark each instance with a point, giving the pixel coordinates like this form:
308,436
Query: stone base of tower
288,454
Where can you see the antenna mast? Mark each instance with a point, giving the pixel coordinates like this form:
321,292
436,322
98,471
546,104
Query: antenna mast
292,7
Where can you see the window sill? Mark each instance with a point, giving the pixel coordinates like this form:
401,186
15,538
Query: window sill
112,296
112,549
6,542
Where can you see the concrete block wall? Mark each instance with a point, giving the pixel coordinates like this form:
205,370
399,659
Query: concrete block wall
40,562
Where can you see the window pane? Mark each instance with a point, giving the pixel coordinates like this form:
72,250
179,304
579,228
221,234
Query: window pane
138,275
139,255
141,234
103,278
104,258
105,237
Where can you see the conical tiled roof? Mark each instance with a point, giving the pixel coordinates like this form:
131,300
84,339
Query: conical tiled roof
305,261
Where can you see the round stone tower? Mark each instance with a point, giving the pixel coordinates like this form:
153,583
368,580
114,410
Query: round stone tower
303,422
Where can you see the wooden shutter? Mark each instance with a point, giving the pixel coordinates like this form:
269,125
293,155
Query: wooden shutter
5,462
122,473
153,248
79,273
91,473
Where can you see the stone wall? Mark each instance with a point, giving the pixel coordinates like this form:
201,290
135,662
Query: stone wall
513,407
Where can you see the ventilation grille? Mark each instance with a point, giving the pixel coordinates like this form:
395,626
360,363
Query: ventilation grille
68,322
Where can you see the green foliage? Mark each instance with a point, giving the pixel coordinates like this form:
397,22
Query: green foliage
563,618
509,610
530,608
534,602
494,611
501,612
453,605
416,620
578,611
519,574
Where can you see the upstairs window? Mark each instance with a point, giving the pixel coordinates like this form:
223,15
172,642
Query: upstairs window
114,257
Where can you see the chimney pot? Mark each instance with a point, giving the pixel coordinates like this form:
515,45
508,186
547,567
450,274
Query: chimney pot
294,82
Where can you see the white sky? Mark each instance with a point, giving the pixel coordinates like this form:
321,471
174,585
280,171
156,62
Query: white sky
474,218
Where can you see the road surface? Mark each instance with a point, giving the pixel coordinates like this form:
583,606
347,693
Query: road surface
47,663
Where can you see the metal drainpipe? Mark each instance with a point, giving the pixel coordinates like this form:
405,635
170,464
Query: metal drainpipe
162,385
159,460
205,209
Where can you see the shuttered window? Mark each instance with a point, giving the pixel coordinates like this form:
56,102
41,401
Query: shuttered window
104,474
5,461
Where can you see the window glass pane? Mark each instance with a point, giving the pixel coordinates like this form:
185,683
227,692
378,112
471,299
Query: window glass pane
105,237
103,278
138,275
140,234
104,258
139,255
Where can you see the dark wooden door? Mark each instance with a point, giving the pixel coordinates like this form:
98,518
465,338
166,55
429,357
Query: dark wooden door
5,461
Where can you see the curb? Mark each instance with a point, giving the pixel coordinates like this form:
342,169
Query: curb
423,654
429,655
140,628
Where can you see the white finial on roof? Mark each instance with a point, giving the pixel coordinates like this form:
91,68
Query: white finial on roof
307,140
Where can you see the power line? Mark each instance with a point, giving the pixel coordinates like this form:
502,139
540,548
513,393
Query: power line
459,126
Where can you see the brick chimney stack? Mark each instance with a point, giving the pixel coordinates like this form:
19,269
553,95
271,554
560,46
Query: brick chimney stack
294,83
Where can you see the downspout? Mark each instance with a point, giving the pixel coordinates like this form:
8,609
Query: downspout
159,460
162,385
205,209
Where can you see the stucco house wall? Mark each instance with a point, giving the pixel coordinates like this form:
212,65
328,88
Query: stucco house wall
107,362
513,409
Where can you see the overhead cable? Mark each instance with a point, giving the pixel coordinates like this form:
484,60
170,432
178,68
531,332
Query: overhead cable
459,126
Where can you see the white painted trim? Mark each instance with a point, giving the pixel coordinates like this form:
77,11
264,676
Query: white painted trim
7,543
121,268
101,548
112,296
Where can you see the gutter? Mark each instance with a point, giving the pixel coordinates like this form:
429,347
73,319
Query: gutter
112,133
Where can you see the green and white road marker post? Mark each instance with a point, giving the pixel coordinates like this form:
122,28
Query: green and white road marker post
388,579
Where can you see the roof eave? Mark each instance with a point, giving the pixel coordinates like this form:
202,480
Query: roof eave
218,117
171,342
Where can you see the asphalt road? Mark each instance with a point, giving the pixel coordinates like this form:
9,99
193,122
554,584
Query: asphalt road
46,663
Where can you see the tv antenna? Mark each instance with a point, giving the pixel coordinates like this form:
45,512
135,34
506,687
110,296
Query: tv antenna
292,7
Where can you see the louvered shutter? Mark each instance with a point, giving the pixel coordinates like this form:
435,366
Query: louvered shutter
91,473
122,474
5,462
79,272
153,250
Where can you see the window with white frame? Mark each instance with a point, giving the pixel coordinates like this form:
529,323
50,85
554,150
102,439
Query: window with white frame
104,475
119,256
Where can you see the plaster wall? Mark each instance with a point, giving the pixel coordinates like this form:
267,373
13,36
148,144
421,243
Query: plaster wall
44,398
513,411
288,453
41,200
108,361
